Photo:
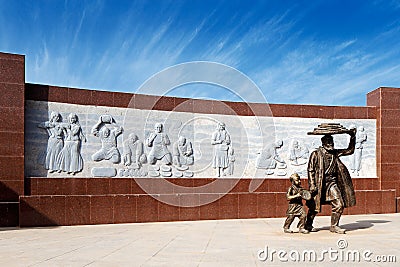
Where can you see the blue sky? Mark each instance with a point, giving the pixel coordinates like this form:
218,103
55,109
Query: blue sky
328,52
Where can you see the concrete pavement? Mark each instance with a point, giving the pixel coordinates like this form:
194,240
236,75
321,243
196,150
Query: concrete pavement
372,238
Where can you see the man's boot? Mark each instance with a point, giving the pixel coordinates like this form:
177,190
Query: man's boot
309,222
335,217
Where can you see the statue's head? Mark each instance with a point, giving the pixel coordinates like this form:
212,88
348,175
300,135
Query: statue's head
72,118
221,126
182,140
327,142
158,127
133,138
295,144
55,116
279,143
295,178
105,132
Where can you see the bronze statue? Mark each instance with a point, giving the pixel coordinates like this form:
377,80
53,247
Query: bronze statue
294,195
328,178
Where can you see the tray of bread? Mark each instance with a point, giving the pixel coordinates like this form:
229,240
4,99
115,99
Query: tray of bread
329,128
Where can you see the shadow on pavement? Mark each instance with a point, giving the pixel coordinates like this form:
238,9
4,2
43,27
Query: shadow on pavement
358,225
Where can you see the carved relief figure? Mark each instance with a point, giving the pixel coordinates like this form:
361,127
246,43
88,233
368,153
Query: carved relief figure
70,159
55,142
158,141
108,137
298,154
361,138
269,158
221,141
133,152
183,152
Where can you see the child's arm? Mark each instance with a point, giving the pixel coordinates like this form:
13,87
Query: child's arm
290,195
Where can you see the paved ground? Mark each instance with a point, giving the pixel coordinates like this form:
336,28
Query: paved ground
204,243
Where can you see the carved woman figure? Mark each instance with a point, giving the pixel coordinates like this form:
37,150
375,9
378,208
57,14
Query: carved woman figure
55,142
221,141
70,158
361,138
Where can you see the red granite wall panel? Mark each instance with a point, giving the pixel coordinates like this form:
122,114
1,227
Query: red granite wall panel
80,96
10,214
10,190
248,205
29,214
229,206
266,203
75,186
101,209
281,204
145,101
120,186
201,106
42,210
11,168
189,207
98,186
12,70
124,209
373,98
77,210
183,104
219,107
168,209
372,112
388,148
102,98
146,209
50,186
12,102
388,201
239,108
53,208
123,100
211,210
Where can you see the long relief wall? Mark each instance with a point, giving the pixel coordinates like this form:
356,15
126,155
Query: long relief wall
70,140
72,156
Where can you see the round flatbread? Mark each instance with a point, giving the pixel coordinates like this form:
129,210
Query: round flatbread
305,194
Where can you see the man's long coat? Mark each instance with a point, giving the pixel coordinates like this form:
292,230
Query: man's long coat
316,172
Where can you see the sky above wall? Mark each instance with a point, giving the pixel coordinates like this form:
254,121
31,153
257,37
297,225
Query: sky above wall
327,52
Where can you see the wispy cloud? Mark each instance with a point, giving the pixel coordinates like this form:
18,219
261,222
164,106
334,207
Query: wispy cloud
78,29
102,45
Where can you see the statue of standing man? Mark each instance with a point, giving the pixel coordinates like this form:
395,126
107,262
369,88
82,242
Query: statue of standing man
328,178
